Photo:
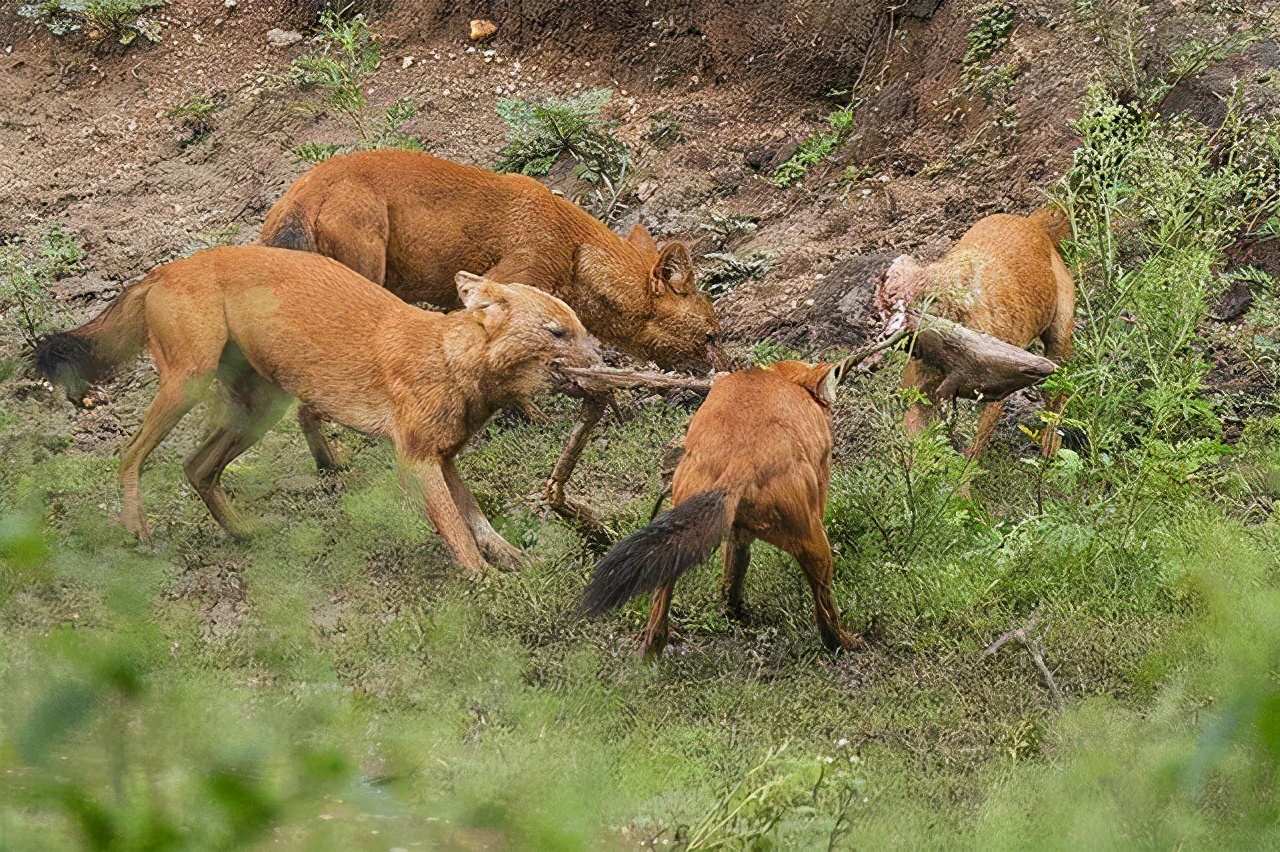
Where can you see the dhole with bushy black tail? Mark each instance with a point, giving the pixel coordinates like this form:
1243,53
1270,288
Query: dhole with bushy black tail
268,324
757,465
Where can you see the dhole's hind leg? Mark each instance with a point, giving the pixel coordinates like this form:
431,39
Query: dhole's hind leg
814,556
921,414
658,629
987,424
354,231
311,422
495,547
172,401
737,556
1057,348
255,405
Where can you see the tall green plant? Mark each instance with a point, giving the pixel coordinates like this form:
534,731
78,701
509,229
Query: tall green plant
347,54
1154,203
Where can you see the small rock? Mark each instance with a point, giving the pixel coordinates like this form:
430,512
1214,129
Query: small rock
1234,302
283,38
482,29
230,4
407,62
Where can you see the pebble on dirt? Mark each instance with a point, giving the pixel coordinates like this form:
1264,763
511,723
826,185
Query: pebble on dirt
482,29
283,38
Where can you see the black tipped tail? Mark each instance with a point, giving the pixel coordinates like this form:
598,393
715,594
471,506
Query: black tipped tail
292,231
674,542
78,358
67,360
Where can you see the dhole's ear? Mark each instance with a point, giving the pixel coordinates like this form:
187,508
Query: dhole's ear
477,291
674,270
642,240
829,383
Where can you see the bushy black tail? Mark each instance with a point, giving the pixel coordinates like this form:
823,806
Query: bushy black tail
673,543
290,230
76,359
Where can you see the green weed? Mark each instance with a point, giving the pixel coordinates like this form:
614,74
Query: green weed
348,53
815,149
120,21
724,270
26,306
196,114
539,133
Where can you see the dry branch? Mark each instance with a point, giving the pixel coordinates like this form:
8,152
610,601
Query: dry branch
1024,636
598,381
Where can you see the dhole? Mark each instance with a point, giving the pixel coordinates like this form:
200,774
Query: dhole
411,221
269,323
757,464
1004,278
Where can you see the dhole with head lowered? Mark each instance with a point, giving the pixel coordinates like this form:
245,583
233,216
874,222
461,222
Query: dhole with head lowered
1004,278
268,323
757,465
411,221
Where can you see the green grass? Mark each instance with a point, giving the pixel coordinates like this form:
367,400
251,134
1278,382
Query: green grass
338,677
337,684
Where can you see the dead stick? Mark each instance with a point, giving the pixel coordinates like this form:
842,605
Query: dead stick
1023,636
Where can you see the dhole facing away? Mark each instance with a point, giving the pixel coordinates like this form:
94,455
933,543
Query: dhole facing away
1004,278
757,464
268,323
411,221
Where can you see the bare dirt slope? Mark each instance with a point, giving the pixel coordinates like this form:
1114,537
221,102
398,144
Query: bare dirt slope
86,140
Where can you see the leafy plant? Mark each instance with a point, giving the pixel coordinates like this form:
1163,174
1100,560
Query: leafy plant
726,270
815,149
990,33
196,114
315,152
1153,209
121,21
348,53
25,301
769,351
724,227
665,129
1146,59
541,132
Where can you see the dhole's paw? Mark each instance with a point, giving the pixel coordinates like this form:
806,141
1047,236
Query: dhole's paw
136,523
503,554
844,642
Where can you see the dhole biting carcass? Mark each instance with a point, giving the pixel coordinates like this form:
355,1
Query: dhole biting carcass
411,221
1004,278
268,323
757,464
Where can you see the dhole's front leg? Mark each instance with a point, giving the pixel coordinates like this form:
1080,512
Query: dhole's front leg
494,546
444,512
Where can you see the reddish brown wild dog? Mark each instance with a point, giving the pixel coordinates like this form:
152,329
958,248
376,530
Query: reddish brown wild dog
757,464
411,221
1004,278
268,323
